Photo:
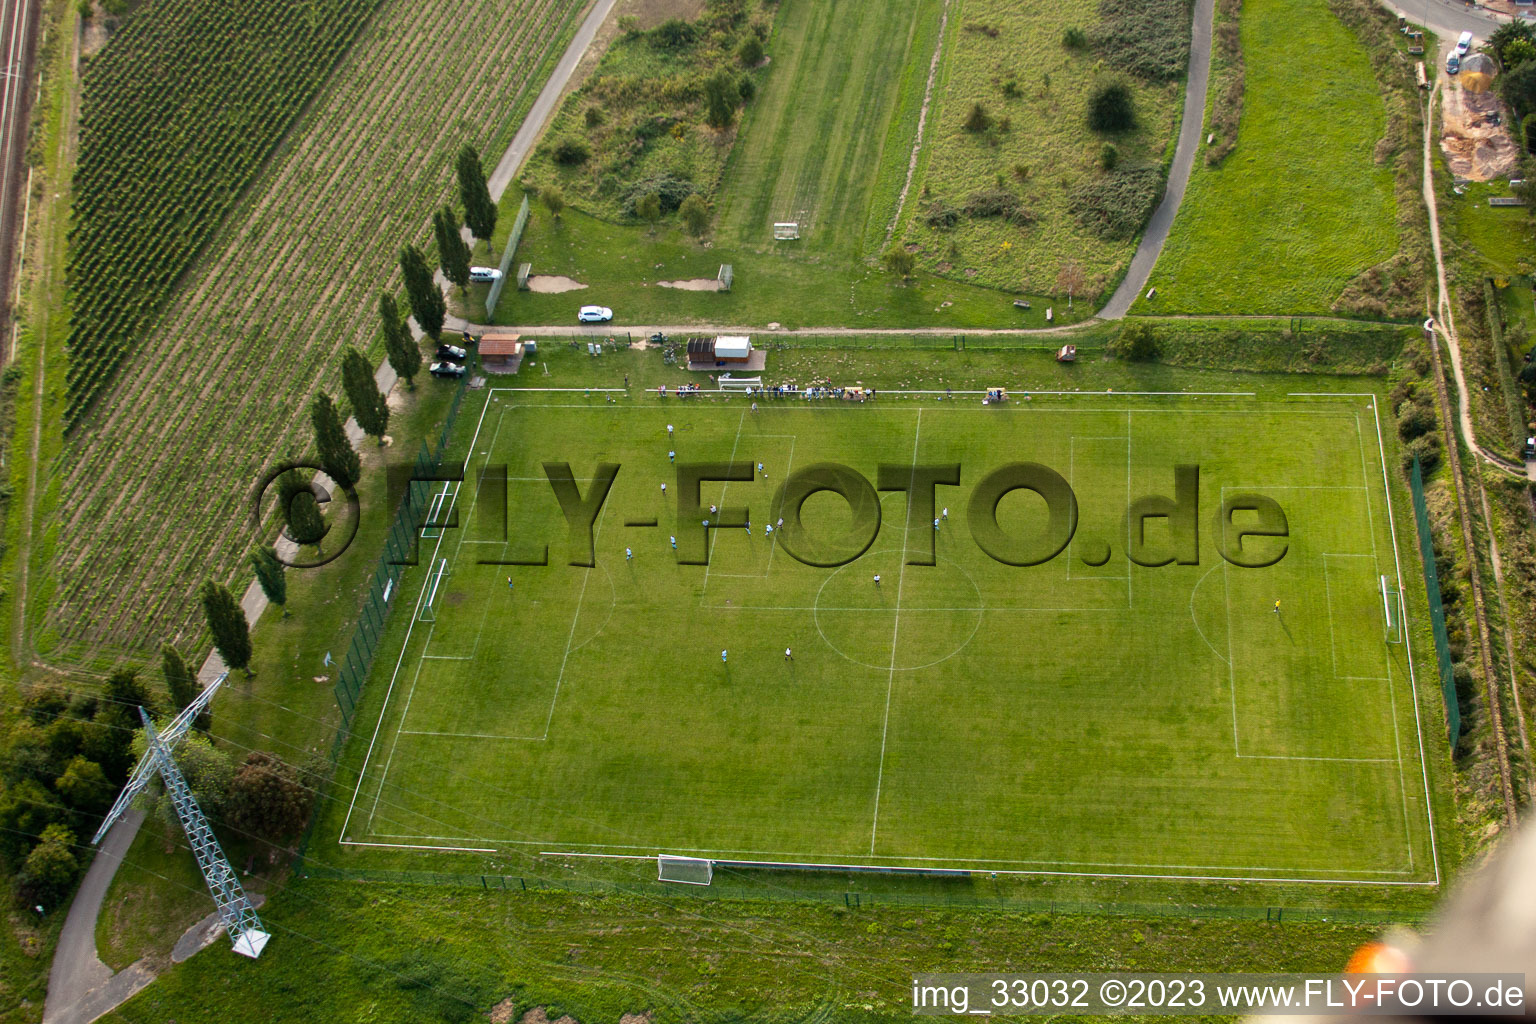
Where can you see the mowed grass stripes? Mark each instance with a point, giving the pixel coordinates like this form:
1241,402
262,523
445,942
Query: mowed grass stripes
1080,715
818,135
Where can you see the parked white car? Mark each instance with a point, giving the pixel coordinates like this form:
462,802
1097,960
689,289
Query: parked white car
484,275
595,314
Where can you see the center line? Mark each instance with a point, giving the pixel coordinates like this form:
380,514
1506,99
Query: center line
890,681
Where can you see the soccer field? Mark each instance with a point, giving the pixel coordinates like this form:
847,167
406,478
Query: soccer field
1082,715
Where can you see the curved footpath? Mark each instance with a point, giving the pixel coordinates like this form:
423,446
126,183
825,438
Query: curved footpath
1156,233
80,987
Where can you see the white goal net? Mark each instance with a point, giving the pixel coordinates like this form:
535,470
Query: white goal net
688,870
786,230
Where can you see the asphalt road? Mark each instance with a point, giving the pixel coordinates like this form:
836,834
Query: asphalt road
18,43
548,99
1184,153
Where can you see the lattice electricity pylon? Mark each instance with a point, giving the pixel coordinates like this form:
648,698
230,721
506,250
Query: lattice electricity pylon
239,917
145,770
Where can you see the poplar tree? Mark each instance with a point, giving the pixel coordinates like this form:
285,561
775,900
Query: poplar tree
226,621
369,406
475,196
403,352
452,253
337,457
269,574
178,677
425,297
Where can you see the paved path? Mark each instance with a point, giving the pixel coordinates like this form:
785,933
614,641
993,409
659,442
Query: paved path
549,98
1184,153
81,987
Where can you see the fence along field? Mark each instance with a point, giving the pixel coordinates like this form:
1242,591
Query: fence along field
1076,716
218,388
178,113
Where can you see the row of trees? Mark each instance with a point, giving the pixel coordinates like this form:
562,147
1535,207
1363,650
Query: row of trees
453,256
69,756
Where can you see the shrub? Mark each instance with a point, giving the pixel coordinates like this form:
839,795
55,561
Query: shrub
1135,342
941,216
673,34
1011,89
1117,206
571,151
721,94
1021,171
1146,38
1528,132
997,203
1111,108
594,116
1427,448
750,53
1415,421
899,262
1109,156
978,120
990,31
669,189
50,869
746,88
1074,38
695,215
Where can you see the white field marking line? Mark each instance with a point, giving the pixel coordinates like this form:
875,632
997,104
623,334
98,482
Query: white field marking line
1397,743
1302,757
805,859
586,577
363,772
1192,617
394,745
1357,881
1130,592
890,679
1386,483
789,467
709,541
457,736
1072,480
419,846
447,657
1397,559
1333,649
917,863
1226,590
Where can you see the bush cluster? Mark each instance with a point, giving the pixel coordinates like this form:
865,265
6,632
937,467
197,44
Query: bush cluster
1146,38
997,203
1116,206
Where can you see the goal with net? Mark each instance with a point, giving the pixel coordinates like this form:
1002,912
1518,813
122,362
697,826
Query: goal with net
786,230
428,606
687,870
1392,607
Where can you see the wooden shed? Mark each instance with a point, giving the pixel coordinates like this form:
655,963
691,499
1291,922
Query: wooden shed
501,351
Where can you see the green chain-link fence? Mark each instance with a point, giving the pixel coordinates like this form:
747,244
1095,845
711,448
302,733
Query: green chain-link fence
374,615
1436,609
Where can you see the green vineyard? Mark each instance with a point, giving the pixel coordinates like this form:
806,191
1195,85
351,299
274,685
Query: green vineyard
215,389
179,113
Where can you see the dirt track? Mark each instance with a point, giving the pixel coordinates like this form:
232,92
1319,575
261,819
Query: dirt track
18,41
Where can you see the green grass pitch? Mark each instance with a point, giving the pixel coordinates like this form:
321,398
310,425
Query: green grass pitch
1112,719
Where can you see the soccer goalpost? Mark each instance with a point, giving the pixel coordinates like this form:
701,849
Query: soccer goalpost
786,230
687,870
431,527
433,581
1392,606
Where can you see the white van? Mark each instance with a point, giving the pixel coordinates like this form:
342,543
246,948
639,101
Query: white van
1464,43
484,275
